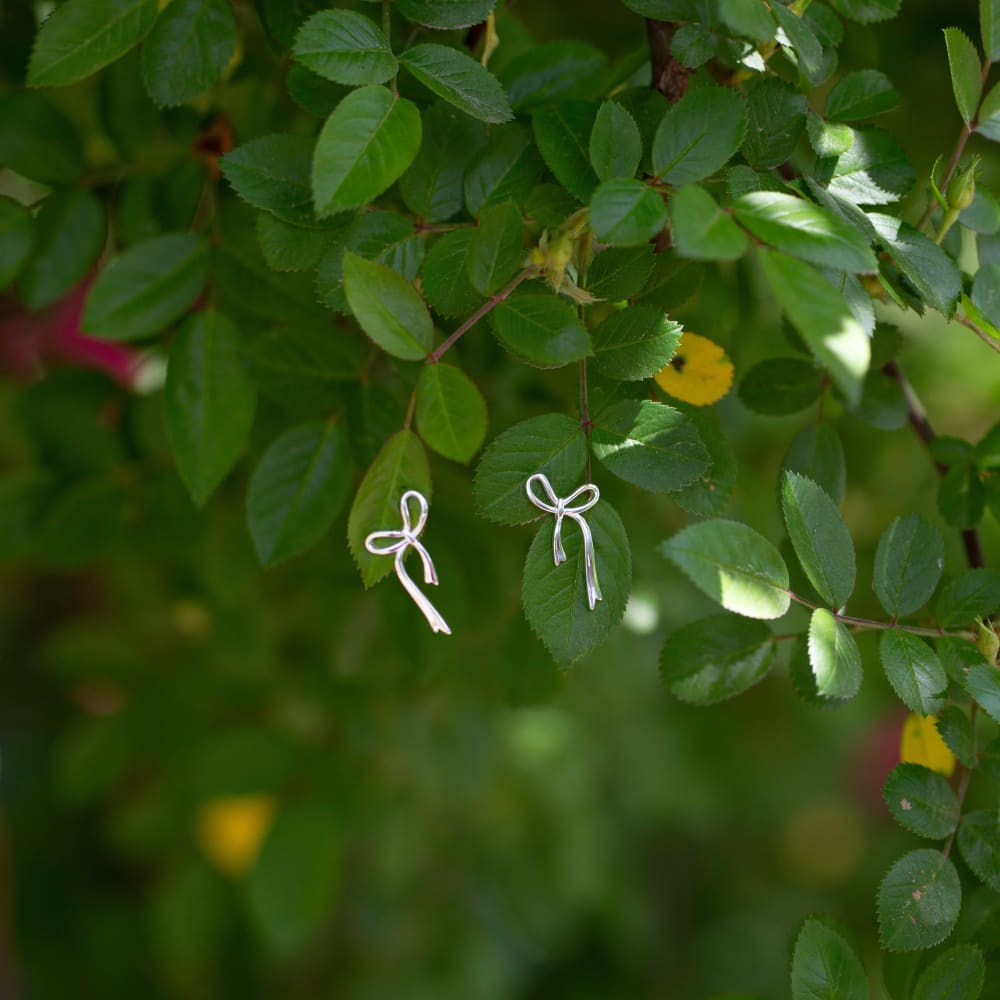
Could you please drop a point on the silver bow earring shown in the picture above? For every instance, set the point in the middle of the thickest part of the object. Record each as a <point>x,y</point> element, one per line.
<point>398,543</point>
<point>562,508</point>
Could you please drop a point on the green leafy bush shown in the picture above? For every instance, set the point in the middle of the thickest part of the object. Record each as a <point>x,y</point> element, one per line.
<point>268,267</point>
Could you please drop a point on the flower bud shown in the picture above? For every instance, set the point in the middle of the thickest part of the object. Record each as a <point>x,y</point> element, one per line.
<point>962,188</point>
<point>987,641</point>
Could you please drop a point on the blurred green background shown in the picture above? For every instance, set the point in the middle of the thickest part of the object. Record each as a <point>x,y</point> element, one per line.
<point>440,818</point>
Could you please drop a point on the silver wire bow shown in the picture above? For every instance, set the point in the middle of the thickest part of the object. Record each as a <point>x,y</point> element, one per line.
<point>562,507</point>
<point>399,542</point>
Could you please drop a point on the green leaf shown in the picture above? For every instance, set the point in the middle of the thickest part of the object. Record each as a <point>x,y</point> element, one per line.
<point>864,93</point>
<point>979,843</point>
<point>776,119</point>
<point>615,145</point>
<point>635,343</point>
<point>17,237</point>
<point>956,730</point>
<point>541,329</point>
<point>272,173</point>
<point>914,671</point>
<point>451,412</point>
<point>802,39</point>
<point>926,265</point>
<point>506,167</point>
<point>717,658</point>
<point>966,72</point>
<point>561,133</point>
<point>554,445</point>
<point>346,47</point>
<point>288,247</point>
<point>823,318</point>
<point>873,171</point>
<point>381,237</point>
<point>460,80</point>
<point>709,494</point>
<point>957,974</point>
<point>432,188</point>
<point>700,230</point>
<point>82,36</point>
<point>648,444</point>
<point>388,308</point>
<point>825,964</point>
<point>401,465</point>
<point>867,11</point>
<point>988,121</point>
<point>445,280</point>
<point>983,684</point>
<point>834,657</point>
<point>303,366</point>
<point>69,237</point>
<point>190,45</point>
<point>299,486</point>
<point>445,13</point>
<point>496,249</point>
<point>750,18</point>
<point>209,402</point>
<point>973,594</point>
<point>818,453</point>
<point>626,212</point>
<point>820,538</point>
<point>699,134</point>
<point>364,146</point>
<point>989,23</point>
<point>619,272</point>
<point>37,140</point>
<point>555,597</point>
<point>908,564</point>
<point>147,288</point>
<point>962,497</point>
<point>292,886</point>
<point>918,901</point>
<point>921,801</point>
<point>778,387</point>
<point>553,71</point>
<point>248,285</point>
<point>804,230</point>
<point>828,138</point>
<point>735,566</point>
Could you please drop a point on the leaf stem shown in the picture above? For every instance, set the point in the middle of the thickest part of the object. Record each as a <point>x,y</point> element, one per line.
<point>410,410</point>
<point>585,411</point>
<point>487,307</point>
<point>980,333</point>
<point>956,155</point>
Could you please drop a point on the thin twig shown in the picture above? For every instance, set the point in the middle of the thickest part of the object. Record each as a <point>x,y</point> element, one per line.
<point>487,307</point>
<point>989,341</point>
<point>922,427</point>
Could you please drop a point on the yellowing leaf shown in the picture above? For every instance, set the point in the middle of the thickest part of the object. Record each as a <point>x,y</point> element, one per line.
<point>230,830</point>
<point>700,373</point>
<point>922,744</point>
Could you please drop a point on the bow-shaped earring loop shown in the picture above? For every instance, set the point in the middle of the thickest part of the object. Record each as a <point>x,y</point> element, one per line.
<point>388,543</point>
<point>562,508</point>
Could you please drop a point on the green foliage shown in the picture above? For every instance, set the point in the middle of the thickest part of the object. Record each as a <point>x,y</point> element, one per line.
<point>716,658</point>
<point>148,287</point>
<point>733,565</point>
<point>820,538</point>
<point>346,47</point>
<point>364,146</point>
<point>921,801</point>
<point>209,402</point>
<point>360,244</point>
<point>918,901</point>
<point>825,963</point>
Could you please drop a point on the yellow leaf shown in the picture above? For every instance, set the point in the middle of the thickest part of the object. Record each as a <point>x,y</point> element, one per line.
<point>699,373</point>
<point>922,744</point>
<point>230,829</point>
